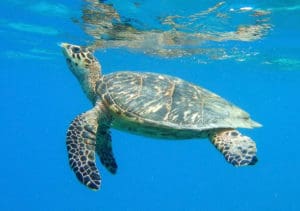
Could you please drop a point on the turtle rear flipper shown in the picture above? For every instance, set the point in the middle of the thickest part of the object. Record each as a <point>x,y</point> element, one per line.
<point>81,143</point>
<point>237,149</point>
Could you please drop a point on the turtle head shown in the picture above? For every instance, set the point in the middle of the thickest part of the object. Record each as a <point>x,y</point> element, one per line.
<point>84,66</point>
<point>80,59</point>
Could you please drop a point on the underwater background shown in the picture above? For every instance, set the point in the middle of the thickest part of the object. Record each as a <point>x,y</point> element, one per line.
<point>245,51</point>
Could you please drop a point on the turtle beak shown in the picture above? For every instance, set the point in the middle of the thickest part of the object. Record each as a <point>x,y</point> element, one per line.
<point>64,45</point>
<point>65,49</point>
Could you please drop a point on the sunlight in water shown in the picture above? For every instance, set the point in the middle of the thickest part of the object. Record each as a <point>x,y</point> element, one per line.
<point>32,28</point>
<point>47,8</point>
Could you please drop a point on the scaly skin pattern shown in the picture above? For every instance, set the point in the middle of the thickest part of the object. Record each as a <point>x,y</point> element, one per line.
<point>237,149</point>
<point>81,143</point>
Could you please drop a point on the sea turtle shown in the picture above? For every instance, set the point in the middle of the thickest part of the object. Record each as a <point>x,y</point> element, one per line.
<point>149,104</point>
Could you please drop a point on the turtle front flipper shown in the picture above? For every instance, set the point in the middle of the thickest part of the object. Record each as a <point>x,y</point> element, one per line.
<point>81,143</point>
<point>104,149</point>
<point>237,149</point>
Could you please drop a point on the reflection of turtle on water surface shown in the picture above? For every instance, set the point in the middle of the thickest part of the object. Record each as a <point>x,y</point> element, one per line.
<point>148,104</point>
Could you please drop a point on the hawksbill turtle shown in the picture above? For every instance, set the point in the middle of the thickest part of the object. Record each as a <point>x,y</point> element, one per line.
<point>148,104</point>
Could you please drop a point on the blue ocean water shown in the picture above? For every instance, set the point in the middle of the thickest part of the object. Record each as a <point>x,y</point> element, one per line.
<point>40,97</point>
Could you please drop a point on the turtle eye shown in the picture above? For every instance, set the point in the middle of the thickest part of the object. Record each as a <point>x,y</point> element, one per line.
<point>75,49</point>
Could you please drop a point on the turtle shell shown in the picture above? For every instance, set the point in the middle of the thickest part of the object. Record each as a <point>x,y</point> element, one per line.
<point>166,101</point>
